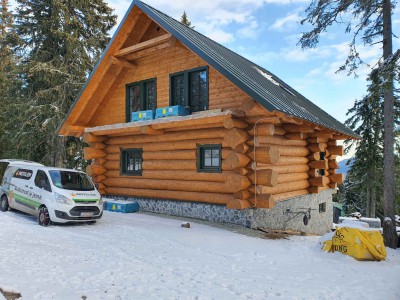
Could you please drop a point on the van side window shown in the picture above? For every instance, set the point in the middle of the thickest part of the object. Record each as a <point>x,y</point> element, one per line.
<point>23,174</point>
<point>42,181</point>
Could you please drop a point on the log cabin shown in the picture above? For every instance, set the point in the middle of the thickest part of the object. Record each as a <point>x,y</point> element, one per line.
<point>188,127</point>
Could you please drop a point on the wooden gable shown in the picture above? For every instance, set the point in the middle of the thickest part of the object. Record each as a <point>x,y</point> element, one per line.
<point>140,50</point>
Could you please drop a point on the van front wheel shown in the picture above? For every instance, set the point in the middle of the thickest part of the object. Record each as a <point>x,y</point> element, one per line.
<point>44,218</point>
<point>4,203</point>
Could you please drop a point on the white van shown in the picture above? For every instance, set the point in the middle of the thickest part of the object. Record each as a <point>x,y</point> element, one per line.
<point>52,194</point>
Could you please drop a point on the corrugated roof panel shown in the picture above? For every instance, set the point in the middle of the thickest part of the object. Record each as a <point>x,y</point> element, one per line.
<point>247,75</point>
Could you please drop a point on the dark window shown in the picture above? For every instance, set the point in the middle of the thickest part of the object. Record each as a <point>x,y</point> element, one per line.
<point>131,161</point>
<point>42,181</point>
<point>23,174</point>
<point>209,158</point>
<point>140,96</point>
<point>322,207</point>
<point>190,88</point>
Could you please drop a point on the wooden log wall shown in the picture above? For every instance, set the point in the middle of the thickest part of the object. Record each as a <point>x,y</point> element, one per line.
<point>263,161</point>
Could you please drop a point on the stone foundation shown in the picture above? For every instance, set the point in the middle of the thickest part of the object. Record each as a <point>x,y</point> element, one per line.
<point>286,215</point>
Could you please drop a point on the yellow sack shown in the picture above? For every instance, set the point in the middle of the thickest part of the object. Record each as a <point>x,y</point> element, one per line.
<point>360,244</point>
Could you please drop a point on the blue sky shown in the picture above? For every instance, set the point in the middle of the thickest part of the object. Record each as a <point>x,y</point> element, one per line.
<point>266,32</point>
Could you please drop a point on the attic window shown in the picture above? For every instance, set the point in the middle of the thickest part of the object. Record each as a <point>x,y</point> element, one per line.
<point>140,96</point>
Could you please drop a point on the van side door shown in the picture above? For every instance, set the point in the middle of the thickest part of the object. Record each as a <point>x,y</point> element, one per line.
<point>21,190</point>
<point>42,187</point>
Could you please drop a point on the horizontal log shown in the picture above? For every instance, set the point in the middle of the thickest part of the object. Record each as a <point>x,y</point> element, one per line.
<point>212,198</point>
<point>242,195</point>
<point>236,183</point>
<point>333,185</point>
<point>275,140</point>
<point>320,147</point>
<point>189,123</point>
<point>331,142</point>
<point>315,189</point>
<point>186,175</point>
<point>95,170</point>
<point>234,137</point>
<point>298,128</point>
<point>296,136</point>
<point>267,177</point>
<point>291,160</point>
<point>281,188</point>
<point>230,123</point>
<point>290,177</point>
<point>320,134</point>
<point>281,169</point>
<point>317,140</point>
<point>238,204</point>
<point>262,201</point>
<point>292,194</point>
<point>100,186</point>
<point>319,181</point>
<point>170,136</point>
<point>336,178</point>
<point>90,138</point>
<point>319,164</point>
<point>170,185</point>
<point>293,151</point>
<point>234,161</point>
<point>333,164</point>
<point>149,130</point>
<point>99,161</point>
<point>262,129</point>
<point>91,153</point>
<point>165,146</point>
<point>336,150</point>
<point>265,155</point>
<point>98,146</point>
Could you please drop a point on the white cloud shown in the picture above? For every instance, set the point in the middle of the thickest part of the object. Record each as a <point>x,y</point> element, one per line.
<point>287,23</point>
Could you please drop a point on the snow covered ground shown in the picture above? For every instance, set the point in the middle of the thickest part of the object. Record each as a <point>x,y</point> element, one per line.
<point>138,256</point>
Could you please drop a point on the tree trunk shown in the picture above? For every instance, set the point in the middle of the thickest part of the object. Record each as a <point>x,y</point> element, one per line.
<point>389,230</point>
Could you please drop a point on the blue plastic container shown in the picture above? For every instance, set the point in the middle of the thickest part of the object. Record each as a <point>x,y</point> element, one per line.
<point>143,115</point>
<point>122,206</point>
<point>172,111</point>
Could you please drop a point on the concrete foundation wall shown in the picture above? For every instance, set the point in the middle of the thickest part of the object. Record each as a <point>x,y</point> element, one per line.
<point>286,215</point>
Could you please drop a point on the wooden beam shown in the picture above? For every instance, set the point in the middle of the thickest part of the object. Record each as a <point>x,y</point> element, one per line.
<point>122,62</point>
<point>143,45</point>
<point>147,51</point>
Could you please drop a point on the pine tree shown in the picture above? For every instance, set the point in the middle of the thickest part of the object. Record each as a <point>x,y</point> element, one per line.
<point>370,22</point>
<point>185,20</point>
<point>9,82</point>
<point>62,40</point>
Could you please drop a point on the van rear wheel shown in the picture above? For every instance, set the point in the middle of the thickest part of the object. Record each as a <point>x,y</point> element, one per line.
<point>44,217</point>
<point>4,203</point>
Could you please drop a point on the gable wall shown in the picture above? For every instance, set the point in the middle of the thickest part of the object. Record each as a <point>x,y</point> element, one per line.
<point>222,93</point>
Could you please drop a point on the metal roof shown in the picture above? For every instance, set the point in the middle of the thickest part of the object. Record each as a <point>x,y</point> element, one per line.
<point>260,84</point>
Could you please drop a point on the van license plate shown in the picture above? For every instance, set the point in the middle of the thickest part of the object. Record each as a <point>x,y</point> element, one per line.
<point>87,214</point>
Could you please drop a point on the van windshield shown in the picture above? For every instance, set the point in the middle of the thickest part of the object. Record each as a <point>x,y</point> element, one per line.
<point>69,180</point>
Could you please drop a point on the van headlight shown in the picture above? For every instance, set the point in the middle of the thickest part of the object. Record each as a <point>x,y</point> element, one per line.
<point>62,199</point>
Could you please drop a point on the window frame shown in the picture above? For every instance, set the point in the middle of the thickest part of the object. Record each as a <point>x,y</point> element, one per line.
<point>134,151</point>
<point>186,79</point>
<point>143,103</point>
<point>200,158</point>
